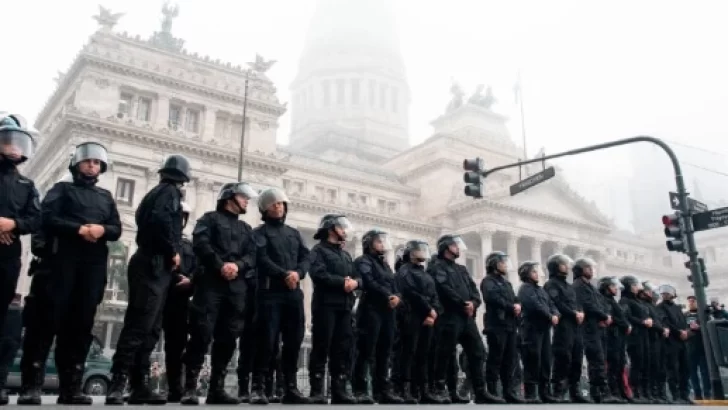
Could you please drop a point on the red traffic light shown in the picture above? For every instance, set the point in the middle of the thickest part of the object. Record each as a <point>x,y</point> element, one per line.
<point>670,219</point>
<point>474,164</point>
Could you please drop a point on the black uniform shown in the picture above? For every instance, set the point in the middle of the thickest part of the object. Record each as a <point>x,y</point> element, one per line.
<point>500,322</point>
<point>655,376</point>
<point>455,287</point>
<point>216,314</point>
<point>247,341</point>
<point>614,342</point>
<point>419,296</point>
<point>376,326</point>
<point>159,237</point>
<point>9,345</point>
<point>637,312</point>
<point>595,317</point>
<point>676,352</point>
<point>19,201</point>
<point>77,280</point>
<point>280,312</point>
<point>332,333</point>
<point>175,321</point>
<point>567,342</point>
<point>538,310</point>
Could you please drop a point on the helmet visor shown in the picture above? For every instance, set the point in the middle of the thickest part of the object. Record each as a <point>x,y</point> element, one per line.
<point>460,244</point>
<point>90,151</point>
<point>16,144</point>
<point>245,190</point>
<point>420,251</point>
<point>270,197</point>
<point>382,238</point>
<point>343,223</point>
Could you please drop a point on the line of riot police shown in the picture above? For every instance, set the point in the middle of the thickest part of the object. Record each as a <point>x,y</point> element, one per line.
<point>244,283</point>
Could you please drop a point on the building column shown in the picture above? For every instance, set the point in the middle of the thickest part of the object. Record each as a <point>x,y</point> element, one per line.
<point>486,247</point>
<point>512,251</point>
<point>202,190</point>
<point>536,257</point>
<point>109,334</point>
<point>358,248</point>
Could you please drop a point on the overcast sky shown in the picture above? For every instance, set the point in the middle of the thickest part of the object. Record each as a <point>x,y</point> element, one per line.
<point>592,71</point>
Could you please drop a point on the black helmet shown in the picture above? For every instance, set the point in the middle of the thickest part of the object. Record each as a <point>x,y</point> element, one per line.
<point>556,260</point>
<point>231,189</point>
<point>647,286</point>
<point>370,236</point>
<point>15,133</point>
<point>328,222</point>
<point>176,167</point>
<point>89,150</point>
<point>628,281</point>
<point>669,289</point>
<point>446,240</point>
<point>607,281</point>
<point>524,271</point>
<point>491,261</point>
<point>417,249</point>
<point>582,263</point>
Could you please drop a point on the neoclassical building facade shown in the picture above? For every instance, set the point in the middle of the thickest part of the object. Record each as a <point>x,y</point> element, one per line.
<point>349,153</point>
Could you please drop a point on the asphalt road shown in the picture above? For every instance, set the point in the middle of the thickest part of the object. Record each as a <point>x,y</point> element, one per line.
<point>50,401</point>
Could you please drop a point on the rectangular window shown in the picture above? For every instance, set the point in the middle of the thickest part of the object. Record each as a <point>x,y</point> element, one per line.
<point>352,199</point>
<point>395,99</point>
<point>372,92</point>
<point>382,205</point>
<point>319,193</point>
<point>363,199</point>
<point>331,196</point>
<point>175,117</point>
<point>124,108</point>
<point>221,123</point>
<point>355,91</point>
<point>144,109</point>
<point>124,191</point>
<point>298,187</point>
<point>383,96</point>
<point>192,122</point>
<point>392,207</point>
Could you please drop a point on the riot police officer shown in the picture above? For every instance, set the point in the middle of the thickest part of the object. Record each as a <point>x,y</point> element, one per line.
<point>420,311</point>
<point>655,377</point>
<point>375,319</point>
<point>334,280</point>
<point>456,325</point>
<point>596,318</point>
<point>176,311</point>
<point>159,236</point>
<point>19,206</point>
<point>79,218</point>
<point>499,321</point>
<point>567,342</point>
<point>283,261</point>
<point>614,336</point>
<point>676,352</point>
<point>539,315</point>
<point>226,249</point>
<point>638,315</point>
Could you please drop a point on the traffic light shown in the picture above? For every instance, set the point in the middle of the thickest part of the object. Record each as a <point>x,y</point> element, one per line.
<point>675,229</point>
<point>473,177</point>
<point>703,272</point>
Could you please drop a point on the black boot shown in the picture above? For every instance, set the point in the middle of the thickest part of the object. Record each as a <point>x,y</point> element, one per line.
<point>270,391</point>
<point>560,390</point>
<point>217,394</point>
<point>544,391</point>
<point>510,396</point>
<point>637,396</point>
<point>76,397</point>
<point>484,395</point>
<point>4,399</point>
<point>386,395</point>
<point>455,397</point>
<point>316,395</point>
<point>491,388</point>
<point>360,386</point>
<point>428,395</point>
<point>530,393</point>
<point>115,395</point>
<point>339,392</point>
<point>32,384</point>
<point>174,383</point>
<point>659,393</point>
<point>576,396</point>
<point>244,389</point>
<point>441,391</point>
<point>407,396</point>
<point>189,396</point>
<point>257,393</point>
<point>291,394</point>
<point>601,395</point>
<point>142,393</point>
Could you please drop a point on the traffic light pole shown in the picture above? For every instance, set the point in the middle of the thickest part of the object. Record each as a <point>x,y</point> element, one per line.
<point>692,250</point>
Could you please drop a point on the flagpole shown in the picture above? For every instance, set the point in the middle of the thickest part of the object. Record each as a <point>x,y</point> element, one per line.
<point>523,117</point>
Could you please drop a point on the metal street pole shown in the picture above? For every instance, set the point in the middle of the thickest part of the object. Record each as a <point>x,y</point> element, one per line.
<point>692,250</point>
<point>242,133</point>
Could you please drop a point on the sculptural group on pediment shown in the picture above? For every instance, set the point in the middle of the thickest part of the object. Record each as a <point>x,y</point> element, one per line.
<point>477,98</point>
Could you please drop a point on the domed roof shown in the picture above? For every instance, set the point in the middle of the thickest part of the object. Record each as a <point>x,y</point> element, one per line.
<point>346,25</point>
